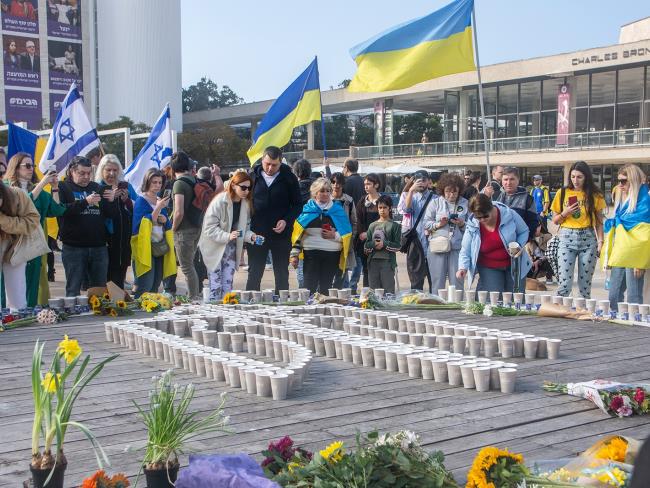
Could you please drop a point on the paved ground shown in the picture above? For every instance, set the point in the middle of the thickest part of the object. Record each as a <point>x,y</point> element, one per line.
<point>339,399</point>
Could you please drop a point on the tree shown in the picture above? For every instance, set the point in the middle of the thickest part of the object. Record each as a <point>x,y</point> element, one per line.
<point>217,143</point>
<point>408,129</point>
<point>337,133</point>
<point>345,83</point>
<point>114,144</point>
<point>205,95</point>
<point>364,132</point>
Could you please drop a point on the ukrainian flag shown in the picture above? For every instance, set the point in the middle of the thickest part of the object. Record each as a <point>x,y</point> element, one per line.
<point>298,105</point>
<point>141,241</point>
<point>336,212</point>
<point>432,46</point>
<point>628,235</point>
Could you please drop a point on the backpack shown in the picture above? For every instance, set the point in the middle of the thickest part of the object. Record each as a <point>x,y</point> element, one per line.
<point>203,194</point>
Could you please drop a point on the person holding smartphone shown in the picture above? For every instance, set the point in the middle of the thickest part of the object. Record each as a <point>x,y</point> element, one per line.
<point>323,234</point>
<point>381,248</point>
<point>118,230</point>
<point>578,211</point>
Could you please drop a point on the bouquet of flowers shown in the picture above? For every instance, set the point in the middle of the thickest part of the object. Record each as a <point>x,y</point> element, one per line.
<point>49,316</point>
<point>231,298</point>
<point>283,455</point>
<point>11,321</point>
<point>477,308</point>
<point>154,302</point>
<point>101,480</point>
<point>615,399</point>
<point>103,305</point>
<point>368,300</point>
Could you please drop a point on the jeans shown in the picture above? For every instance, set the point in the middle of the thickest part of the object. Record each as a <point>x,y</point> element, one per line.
<point>580,245</point>
<point>280,248</point>
<point>495,279</point>
<point>79,262</point>
<point>185,242</point>
<point>619,280</point>
<point>300,275</point>
<point>320,267</point>
<point>150,281</point>
<point>443,265</point>
<point>381,275</point>
<point>356,274</point>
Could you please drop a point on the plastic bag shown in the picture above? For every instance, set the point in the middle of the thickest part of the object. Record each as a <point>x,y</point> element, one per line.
<point>223,471</point>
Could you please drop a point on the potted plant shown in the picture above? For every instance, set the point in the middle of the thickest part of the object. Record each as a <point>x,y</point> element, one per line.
<point>170,426</point>
<point>54,394</point>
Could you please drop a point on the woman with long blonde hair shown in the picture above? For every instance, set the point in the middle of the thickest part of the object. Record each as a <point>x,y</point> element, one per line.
<point>627,252</point>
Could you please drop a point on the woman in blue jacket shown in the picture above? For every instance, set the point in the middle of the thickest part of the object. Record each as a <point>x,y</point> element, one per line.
<point>484,250</point>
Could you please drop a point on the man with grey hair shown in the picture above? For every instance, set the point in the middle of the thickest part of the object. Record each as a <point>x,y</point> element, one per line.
<point>30,61</point>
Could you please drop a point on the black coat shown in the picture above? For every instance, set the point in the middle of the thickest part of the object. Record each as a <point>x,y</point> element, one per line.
<point>280,201</point>
<point>354,187</point>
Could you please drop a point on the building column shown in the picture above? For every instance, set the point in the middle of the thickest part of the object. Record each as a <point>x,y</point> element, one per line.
<point>567,175</point>
<point>254,123</point>
<point>310,136</point>
<point>463,115</point>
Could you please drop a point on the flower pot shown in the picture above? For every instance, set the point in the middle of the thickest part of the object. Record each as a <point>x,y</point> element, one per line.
<point>160,478</point>
<point>279,386</point>
<point>475,343</point>
<point>459,344</point>
<point>507,378</point>
<point>367,356</point>
<point>379,357</point>
<point>453,373</point>
<point>391,360</point>
<point>40,475</point>
<point>319,345</point>
<point>494,298</point>
<point>482,378</point>
<point>490,346</point>
<point>553,348</point>
<point>414,365</point>
<point>530,348</point>
<point>439,370</point>
<point>426,368</point>
<point>467,375</point>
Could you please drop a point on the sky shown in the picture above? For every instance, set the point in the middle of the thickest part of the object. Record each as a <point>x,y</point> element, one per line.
<point>259,47</point>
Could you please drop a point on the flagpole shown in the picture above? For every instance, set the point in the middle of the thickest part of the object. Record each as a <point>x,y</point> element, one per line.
<point>322,121</point>
<point>480,95</point>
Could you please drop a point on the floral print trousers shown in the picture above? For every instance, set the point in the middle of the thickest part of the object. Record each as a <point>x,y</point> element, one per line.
<point>221,278</point>
<point>576,245</point>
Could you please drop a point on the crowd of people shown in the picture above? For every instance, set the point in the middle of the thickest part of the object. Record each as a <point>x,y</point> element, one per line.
<point>336,229</point>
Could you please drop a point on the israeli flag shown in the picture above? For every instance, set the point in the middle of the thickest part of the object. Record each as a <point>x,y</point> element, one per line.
<point>156,153</point>
<point>72,134</point>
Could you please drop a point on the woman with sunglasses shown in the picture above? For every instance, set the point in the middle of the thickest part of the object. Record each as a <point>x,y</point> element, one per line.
<point>20,174</point>
<point>578,211</point>
<point>484,250</point>
<point>627,239</point>
<point>226,226</point>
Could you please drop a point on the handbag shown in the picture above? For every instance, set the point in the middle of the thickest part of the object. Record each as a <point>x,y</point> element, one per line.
<point>440,244</point>
<point>159,246</point>
<point>407,237</point>
<point>29,246</point>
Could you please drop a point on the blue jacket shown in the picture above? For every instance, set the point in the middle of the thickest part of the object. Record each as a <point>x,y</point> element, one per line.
<point>511,228</point>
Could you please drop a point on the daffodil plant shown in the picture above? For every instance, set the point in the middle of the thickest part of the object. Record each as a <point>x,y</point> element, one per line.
<point>54,394</point>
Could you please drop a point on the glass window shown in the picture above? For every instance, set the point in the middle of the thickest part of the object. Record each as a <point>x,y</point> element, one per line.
<point>550,91</point>
<point>628,116</point>
<point>549,122</point>
<point>601,118</point>
<point>579,116</point>
<point>630,85</point>
<point>528,124</point>
<point>508,99</point>
<point>529,96</point>
<point>646,112</point>
<point>451,104</point>
<point>490,100</point>
<point>507,126</point>
<point>580,91</point>
<point>603,88</point>
<point>473,108</point>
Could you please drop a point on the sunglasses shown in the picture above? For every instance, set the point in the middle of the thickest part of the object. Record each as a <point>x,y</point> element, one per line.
<point>482,217</point>
<point>27,166</point>
<point>622,181</point>
<point>244,187</point>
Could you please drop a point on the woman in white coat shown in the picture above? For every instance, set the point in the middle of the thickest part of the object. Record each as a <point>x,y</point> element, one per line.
<point>226,226</point>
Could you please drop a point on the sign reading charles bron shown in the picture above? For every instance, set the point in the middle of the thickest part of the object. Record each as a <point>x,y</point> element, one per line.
<point>24,106</point>
<point>64,18</point>
<point>22,61</point>
<point>563,103</point>
<point>20,16</point>
<point>65,65</point>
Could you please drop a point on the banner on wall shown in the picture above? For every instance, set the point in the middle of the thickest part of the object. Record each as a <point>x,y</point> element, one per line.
<point>379,122</point>
<point>64,18</point>
<point>20,16</point>
<point>65,65</point>
<point>563,112</point>
<point>22,61</point>
<point>24,106</point>
<point>56,99</point>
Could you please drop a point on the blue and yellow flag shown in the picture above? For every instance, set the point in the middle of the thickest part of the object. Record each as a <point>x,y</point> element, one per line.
<point>298,105</point>
<point>141,241</point>
<point>432,46</point>
<point>336,212</point>
<point>628,235</point>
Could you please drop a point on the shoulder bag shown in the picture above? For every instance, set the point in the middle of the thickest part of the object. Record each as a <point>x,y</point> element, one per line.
<point>29,246</point>
<point>411,234</point>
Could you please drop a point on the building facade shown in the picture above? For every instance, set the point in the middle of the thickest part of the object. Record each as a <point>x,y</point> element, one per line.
<point>541,114</point>
<point>109,48</point>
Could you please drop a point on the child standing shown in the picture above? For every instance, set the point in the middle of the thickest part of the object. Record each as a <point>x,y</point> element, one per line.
<point>382,243</point>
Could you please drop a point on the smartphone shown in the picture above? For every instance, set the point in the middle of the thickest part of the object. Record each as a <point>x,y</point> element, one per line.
<point>122,185</point>
<point>326,227</point>
<point>453,216</point>
<point>167,193</point>
<point>573,200</point>
<point>103,188</point>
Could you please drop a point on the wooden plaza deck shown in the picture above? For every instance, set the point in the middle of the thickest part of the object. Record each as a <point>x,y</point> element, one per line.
<point>338,399</point>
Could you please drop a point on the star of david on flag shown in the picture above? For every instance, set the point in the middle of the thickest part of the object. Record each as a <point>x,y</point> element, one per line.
<point>156,152</point>
<point>72,134</point>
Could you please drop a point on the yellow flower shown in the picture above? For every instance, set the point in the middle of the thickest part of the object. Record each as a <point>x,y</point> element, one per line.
<point>484,460</point>
<point>94,301</point>
<point>292,465</point>
<point>69,349</point>
<point>333,453</point>
<point>113,312</point>
<point>49,383</point>
<point>611,477</point>
<point>121,304</point>
<point>614,450</point>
